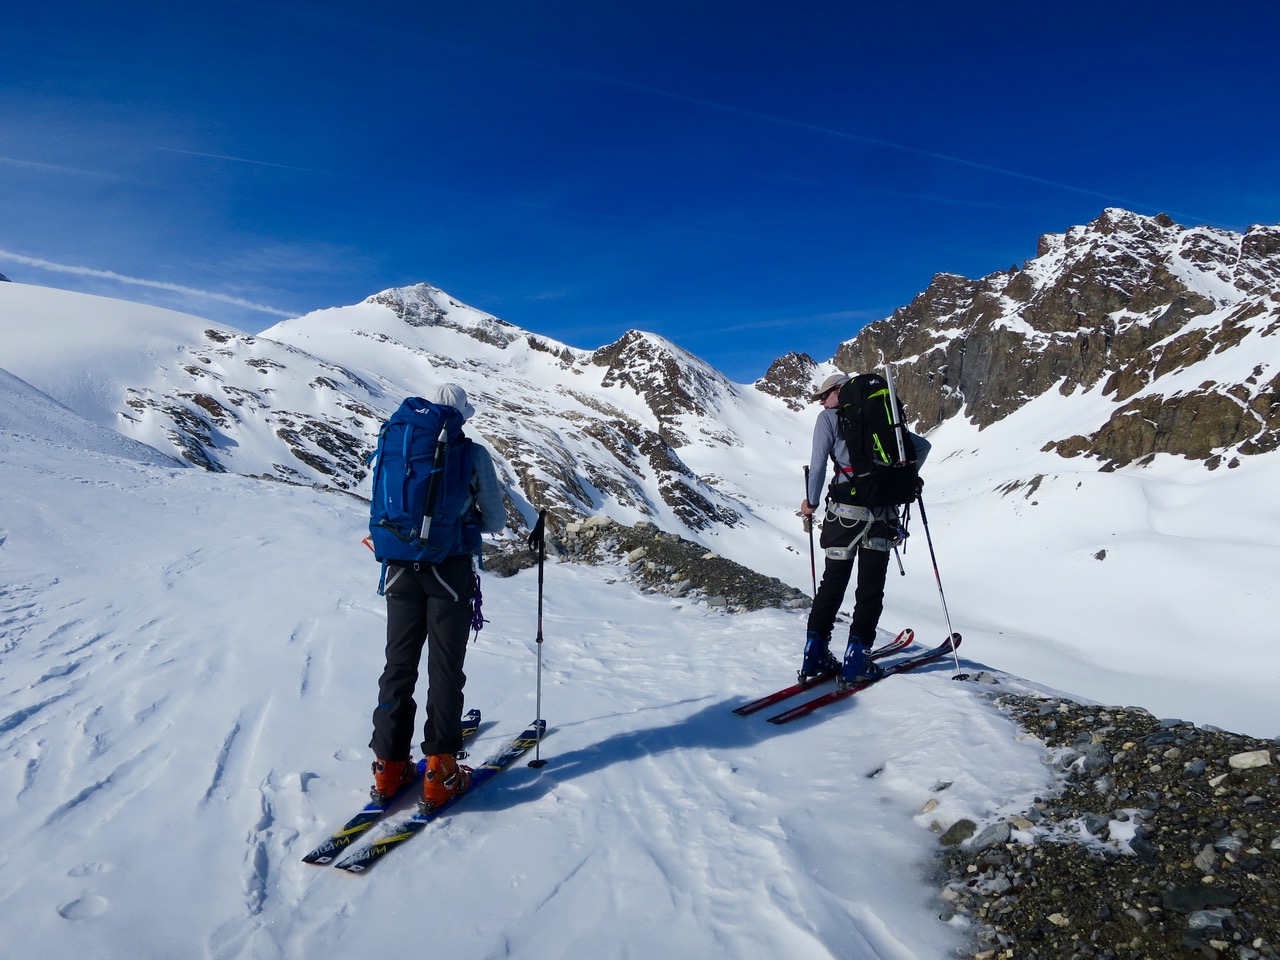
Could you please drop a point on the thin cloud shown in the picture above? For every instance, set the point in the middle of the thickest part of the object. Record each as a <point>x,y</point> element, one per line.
<point>807,322</point>
<point>284,166</point>
<point>138,281</point>
<point>56,168</point>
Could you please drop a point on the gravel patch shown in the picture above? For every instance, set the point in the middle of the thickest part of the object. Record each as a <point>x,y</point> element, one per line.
<point>1163,843</point>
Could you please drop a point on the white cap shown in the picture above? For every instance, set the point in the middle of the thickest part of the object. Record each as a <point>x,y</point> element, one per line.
<point>452,395</point>
<point>833,382</point>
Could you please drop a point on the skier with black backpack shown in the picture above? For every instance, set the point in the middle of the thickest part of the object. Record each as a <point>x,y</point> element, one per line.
<point>434,493</point>
<point>875,463</point>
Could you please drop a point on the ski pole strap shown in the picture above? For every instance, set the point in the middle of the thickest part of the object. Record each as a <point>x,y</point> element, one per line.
<point>537,536</point>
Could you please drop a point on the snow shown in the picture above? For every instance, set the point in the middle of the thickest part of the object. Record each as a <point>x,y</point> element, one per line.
<point>83,350</point>
<point>188,663</point>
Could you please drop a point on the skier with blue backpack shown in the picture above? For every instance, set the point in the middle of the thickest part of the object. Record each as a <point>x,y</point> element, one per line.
<point>434,492</point>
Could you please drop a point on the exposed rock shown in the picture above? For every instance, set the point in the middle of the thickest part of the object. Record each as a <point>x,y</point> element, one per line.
<point>658,562</point>
<point>1168,851</point>
<point>674,383</point>
<point>423,305</point>
<point>791,379</point>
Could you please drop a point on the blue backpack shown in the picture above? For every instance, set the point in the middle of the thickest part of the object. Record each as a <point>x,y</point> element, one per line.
<point>422,509</point>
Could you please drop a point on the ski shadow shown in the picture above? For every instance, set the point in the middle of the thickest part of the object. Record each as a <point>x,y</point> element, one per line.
<point>715,727</point>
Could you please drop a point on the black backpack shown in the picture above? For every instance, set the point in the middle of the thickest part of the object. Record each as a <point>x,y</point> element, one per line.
<point>871,429</point>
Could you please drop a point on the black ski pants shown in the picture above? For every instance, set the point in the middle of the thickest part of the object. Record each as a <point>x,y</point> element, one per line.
<point>868,596</point>
<point>427,605</point>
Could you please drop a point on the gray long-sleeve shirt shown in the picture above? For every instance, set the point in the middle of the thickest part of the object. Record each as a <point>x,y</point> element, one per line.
<point>828,443</point>
<point>488,495</point>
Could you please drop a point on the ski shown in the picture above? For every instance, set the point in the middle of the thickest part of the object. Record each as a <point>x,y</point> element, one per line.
<point>904,639</point>
<point>901,666</point>
<point>404,830</point>
<point>372,812</point>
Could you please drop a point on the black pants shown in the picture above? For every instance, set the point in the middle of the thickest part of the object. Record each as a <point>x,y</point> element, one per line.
<point>868,596</point>
<point>431,607</point>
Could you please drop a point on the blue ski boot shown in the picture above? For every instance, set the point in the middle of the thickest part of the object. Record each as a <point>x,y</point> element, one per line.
<point>858,665</point>
<point>818,660</point>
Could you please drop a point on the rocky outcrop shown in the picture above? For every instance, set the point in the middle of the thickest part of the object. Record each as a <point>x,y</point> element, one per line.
<point>657,562</point>
<point>423,305</point>
<point>790,379</point>
<point>680,390</point>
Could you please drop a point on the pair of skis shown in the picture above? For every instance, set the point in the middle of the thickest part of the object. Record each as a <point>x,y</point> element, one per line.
<point>903,640</point>
<point>332,850</point>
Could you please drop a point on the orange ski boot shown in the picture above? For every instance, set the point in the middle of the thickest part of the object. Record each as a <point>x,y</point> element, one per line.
<point>389,777</point>
<point>444,778</point>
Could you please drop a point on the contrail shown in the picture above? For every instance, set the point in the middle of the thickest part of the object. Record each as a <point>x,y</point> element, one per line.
<point>138,281</point>
<point>57,168</point>
<point>852,137</point>
<point>285,166</point>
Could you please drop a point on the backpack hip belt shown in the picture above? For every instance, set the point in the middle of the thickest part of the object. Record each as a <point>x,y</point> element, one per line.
<point>849,511</point>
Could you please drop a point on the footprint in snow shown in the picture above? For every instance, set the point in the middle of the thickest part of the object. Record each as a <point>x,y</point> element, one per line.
<point>89,869</point>
<point>83,908</point>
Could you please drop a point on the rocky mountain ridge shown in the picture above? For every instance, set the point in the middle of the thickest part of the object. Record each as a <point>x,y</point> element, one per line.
<point>1175,326</point>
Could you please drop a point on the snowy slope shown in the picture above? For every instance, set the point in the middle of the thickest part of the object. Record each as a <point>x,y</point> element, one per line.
<point>1153,587</point>
<point>86,351</point>
<point>189,666</point>
<point>24,410</point>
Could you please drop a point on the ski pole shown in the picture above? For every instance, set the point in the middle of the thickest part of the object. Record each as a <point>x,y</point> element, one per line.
<point>433,484</point>
<point>895,411</point>
<point>924,519</point>
<point>808,525</point>
<point>906,522</point>
<point>896,424</point>
<point>538,542</point>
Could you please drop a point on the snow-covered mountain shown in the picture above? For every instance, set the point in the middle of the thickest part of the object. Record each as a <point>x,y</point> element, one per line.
<point>636,429</point>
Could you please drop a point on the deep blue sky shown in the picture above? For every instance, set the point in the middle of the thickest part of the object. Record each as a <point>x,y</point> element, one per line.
<point>746,178</point>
